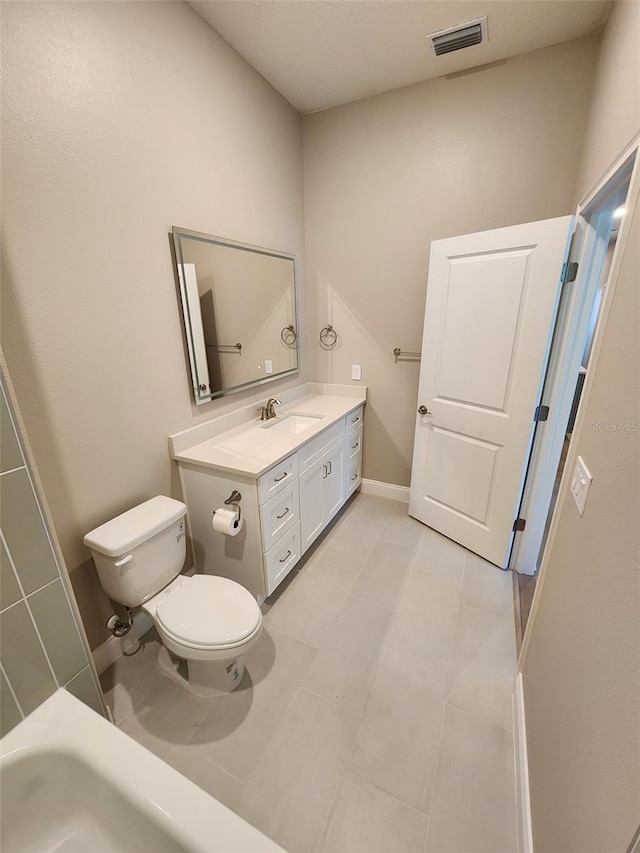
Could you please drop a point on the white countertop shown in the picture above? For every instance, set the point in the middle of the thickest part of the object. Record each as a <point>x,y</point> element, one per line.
<point>253,447</point>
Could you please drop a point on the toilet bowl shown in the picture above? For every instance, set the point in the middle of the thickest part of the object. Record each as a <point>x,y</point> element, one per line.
<point>207,624</point>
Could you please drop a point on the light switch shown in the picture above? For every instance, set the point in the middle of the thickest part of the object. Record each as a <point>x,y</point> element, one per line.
<point>356,371</point>
<point>268,365</point>
<point>580,484</point>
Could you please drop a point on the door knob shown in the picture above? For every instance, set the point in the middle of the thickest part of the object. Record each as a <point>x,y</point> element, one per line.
<point>422,410</point>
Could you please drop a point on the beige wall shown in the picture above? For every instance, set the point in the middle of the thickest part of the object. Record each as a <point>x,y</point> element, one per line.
<point>582,669</point>
<point>387,175</point>
<point>120,120</point>
<point>614,115</point>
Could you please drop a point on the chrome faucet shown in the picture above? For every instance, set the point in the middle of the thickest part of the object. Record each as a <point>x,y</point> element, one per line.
<point>268,410</point>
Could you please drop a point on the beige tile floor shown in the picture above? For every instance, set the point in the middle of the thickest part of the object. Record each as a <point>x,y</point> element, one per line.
<point>375,712</point>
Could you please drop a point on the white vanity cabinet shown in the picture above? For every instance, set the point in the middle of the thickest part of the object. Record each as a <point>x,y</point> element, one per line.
<point>321,492</point>
<point>353,452</point>
<point>284,508</point>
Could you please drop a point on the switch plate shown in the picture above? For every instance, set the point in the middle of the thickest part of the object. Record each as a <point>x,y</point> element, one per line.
<point>580,483</point>
<point>356,371</point>
<point>268,365</point>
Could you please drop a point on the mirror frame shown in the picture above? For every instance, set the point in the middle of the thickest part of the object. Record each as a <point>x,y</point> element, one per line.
<point>176,235</point>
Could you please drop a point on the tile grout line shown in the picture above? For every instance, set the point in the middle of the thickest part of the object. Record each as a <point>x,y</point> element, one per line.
<point>280,724</point>
<point>12,691</point>
<point>444,707</point>
<point>14,569</point>
<point>398,799</point>
<point>13,470</point>
<point>347,764</point>
<point>25,600</point>
<point>479,717</point>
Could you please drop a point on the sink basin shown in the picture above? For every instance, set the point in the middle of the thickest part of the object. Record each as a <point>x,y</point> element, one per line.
<point>293,423</point>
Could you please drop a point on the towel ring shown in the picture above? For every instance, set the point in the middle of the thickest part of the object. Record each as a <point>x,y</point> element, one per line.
<point>328,337</point>
<point>289,336</point>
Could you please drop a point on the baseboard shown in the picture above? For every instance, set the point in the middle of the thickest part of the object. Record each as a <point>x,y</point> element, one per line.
<point>385,490</point>
<point>523,803</point>
<point>108,652</point>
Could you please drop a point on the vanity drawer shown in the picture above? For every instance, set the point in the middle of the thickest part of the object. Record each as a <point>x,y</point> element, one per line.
<point>313,450</point>
<point>279,515</point>
<point>277,478</point>
<point>355,419</point>
<point>353,445</point>
<point>352,476</point>
<point>282,558</point>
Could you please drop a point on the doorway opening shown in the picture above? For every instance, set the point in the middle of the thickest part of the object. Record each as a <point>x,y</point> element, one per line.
<point>579,314</point>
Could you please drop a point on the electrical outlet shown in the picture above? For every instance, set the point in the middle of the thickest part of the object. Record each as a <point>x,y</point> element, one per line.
<point>356,371</point>
<point>268,365</point>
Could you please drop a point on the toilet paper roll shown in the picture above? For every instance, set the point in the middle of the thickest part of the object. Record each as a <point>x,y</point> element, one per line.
<point>226,521</point>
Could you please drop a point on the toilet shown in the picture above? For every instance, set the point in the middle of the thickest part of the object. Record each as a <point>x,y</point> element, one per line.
<point>207,624</point>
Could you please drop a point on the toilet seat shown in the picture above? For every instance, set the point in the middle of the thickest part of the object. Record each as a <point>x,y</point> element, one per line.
<point>209,613</point>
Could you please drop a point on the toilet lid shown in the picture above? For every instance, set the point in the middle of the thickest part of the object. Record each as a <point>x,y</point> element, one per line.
<point>208,611</point>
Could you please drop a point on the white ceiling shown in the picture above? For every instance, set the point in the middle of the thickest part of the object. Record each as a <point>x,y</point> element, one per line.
<point>321,53</point>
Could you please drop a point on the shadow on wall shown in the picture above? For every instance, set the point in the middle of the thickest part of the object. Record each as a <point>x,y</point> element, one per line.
<point>392,387</point>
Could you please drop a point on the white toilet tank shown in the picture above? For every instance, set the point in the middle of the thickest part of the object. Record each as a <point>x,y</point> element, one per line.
<point>139,552</point>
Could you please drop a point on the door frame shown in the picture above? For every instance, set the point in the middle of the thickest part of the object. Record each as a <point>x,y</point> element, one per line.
<point>589,249</point>
<point>630,149</point>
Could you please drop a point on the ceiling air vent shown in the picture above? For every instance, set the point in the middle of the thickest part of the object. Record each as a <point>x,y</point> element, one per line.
<point>457,38</point>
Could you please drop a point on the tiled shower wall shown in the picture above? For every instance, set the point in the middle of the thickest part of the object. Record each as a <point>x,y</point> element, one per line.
<point>41,647</point>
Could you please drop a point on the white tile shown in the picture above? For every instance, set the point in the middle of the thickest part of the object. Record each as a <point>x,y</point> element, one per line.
<point>289,796</point>
<point>372,507</point>
<point>312,609</point>
<point>237,730</point>
<point>473,806</point>
<point>367,819</point>
<point>485,586</point>
<point>426,618</point>
<point>345,667</point>
<point>483,666</point>
<point>351,545</point>
<point>167,715</point>
<point>440,555</point>
<point>385,573</point>
<point>398,740</point>
<point>131,677</point>
<point>189,761</point>
<point>401,528</point>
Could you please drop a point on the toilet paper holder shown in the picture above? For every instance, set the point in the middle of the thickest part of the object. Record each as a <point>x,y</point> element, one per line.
<point>233,500</point>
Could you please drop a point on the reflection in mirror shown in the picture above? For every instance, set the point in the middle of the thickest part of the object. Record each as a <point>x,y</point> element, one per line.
<point>239,310</point>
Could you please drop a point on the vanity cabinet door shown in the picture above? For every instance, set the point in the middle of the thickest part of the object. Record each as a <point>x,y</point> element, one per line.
<point>311,515</point>
<point>333,482</point>
<point>322,491</point>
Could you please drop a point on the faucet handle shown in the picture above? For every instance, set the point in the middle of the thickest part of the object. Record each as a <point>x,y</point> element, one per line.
<point>263,412</point>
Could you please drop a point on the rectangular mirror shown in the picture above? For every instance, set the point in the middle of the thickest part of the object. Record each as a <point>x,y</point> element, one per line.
<point>239,310</point>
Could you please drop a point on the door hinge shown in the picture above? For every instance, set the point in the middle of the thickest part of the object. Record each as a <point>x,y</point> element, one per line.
<point>519,524</point>
<point>569,272</point>
<point>541,414</point>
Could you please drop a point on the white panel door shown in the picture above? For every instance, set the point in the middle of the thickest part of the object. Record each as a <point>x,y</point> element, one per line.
<point>491,304</point>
